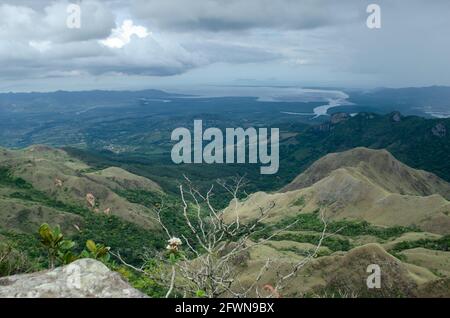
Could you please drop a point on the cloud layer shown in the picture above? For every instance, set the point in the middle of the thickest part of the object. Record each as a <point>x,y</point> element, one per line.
<point>218,15</point>
<point>213,41</point>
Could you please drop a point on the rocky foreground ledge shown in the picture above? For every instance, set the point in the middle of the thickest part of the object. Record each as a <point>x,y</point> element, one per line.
<point>85,278</point>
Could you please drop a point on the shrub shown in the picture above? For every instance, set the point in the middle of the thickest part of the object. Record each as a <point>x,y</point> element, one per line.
<point>58,249</point>
<point>12,261</point>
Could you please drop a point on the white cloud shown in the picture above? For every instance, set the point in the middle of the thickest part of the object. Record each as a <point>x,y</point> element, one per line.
<point>36,43</point>
<point>122,35</point>
<point>41,46</point>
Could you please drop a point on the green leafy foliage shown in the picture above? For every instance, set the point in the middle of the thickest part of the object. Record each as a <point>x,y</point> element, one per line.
<point>351,228</point>
<point>8,179</point>
<point>30,246</point>
<point>131,240</point>
<point>345,228</point>
<point>59,250</point>
<point>128,238</point>
<point>200,293</point>
<point>442,244</point>
<point>171,213</point>
<point>142,282</point>
<point>96,251</point>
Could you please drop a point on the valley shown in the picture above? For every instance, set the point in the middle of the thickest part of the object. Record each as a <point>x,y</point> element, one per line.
<point>101,170</point>
<point>182,153</point>
<point>398,218</point>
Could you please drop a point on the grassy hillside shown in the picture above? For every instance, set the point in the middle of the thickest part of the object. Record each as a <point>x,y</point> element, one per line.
<point>362,184</point>
<point>418,142</point>
<point>67,180</point>
<point>41,184</point>
<point>378,210</point>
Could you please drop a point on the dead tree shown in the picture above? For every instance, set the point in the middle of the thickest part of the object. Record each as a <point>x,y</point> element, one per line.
<point>207,265</point>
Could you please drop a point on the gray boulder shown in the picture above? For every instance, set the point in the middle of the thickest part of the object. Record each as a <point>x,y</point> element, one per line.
<point>85,278</point>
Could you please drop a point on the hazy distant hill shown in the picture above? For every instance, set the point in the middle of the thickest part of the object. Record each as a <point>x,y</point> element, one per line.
<point>65,101</point>
<point>431,101</point>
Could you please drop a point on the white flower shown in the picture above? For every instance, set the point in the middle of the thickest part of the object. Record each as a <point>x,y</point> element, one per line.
<point>174,244</point>
<point>175,241</point>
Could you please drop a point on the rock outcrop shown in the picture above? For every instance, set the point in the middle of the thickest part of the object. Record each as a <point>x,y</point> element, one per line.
<point>336,118</point>
<point>85,278</point>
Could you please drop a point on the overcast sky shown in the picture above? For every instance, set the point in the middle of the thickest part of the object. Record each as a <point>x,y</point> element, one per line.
<point>176,43</point>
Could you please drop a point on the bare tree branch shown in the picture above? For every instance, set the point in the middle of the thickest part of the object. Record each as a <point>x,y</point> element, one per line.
<point>219,246</point>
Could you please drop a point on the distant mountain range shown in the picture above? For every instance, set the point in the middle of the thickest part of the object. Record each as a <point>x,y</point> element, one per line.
<point>433,101</point>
